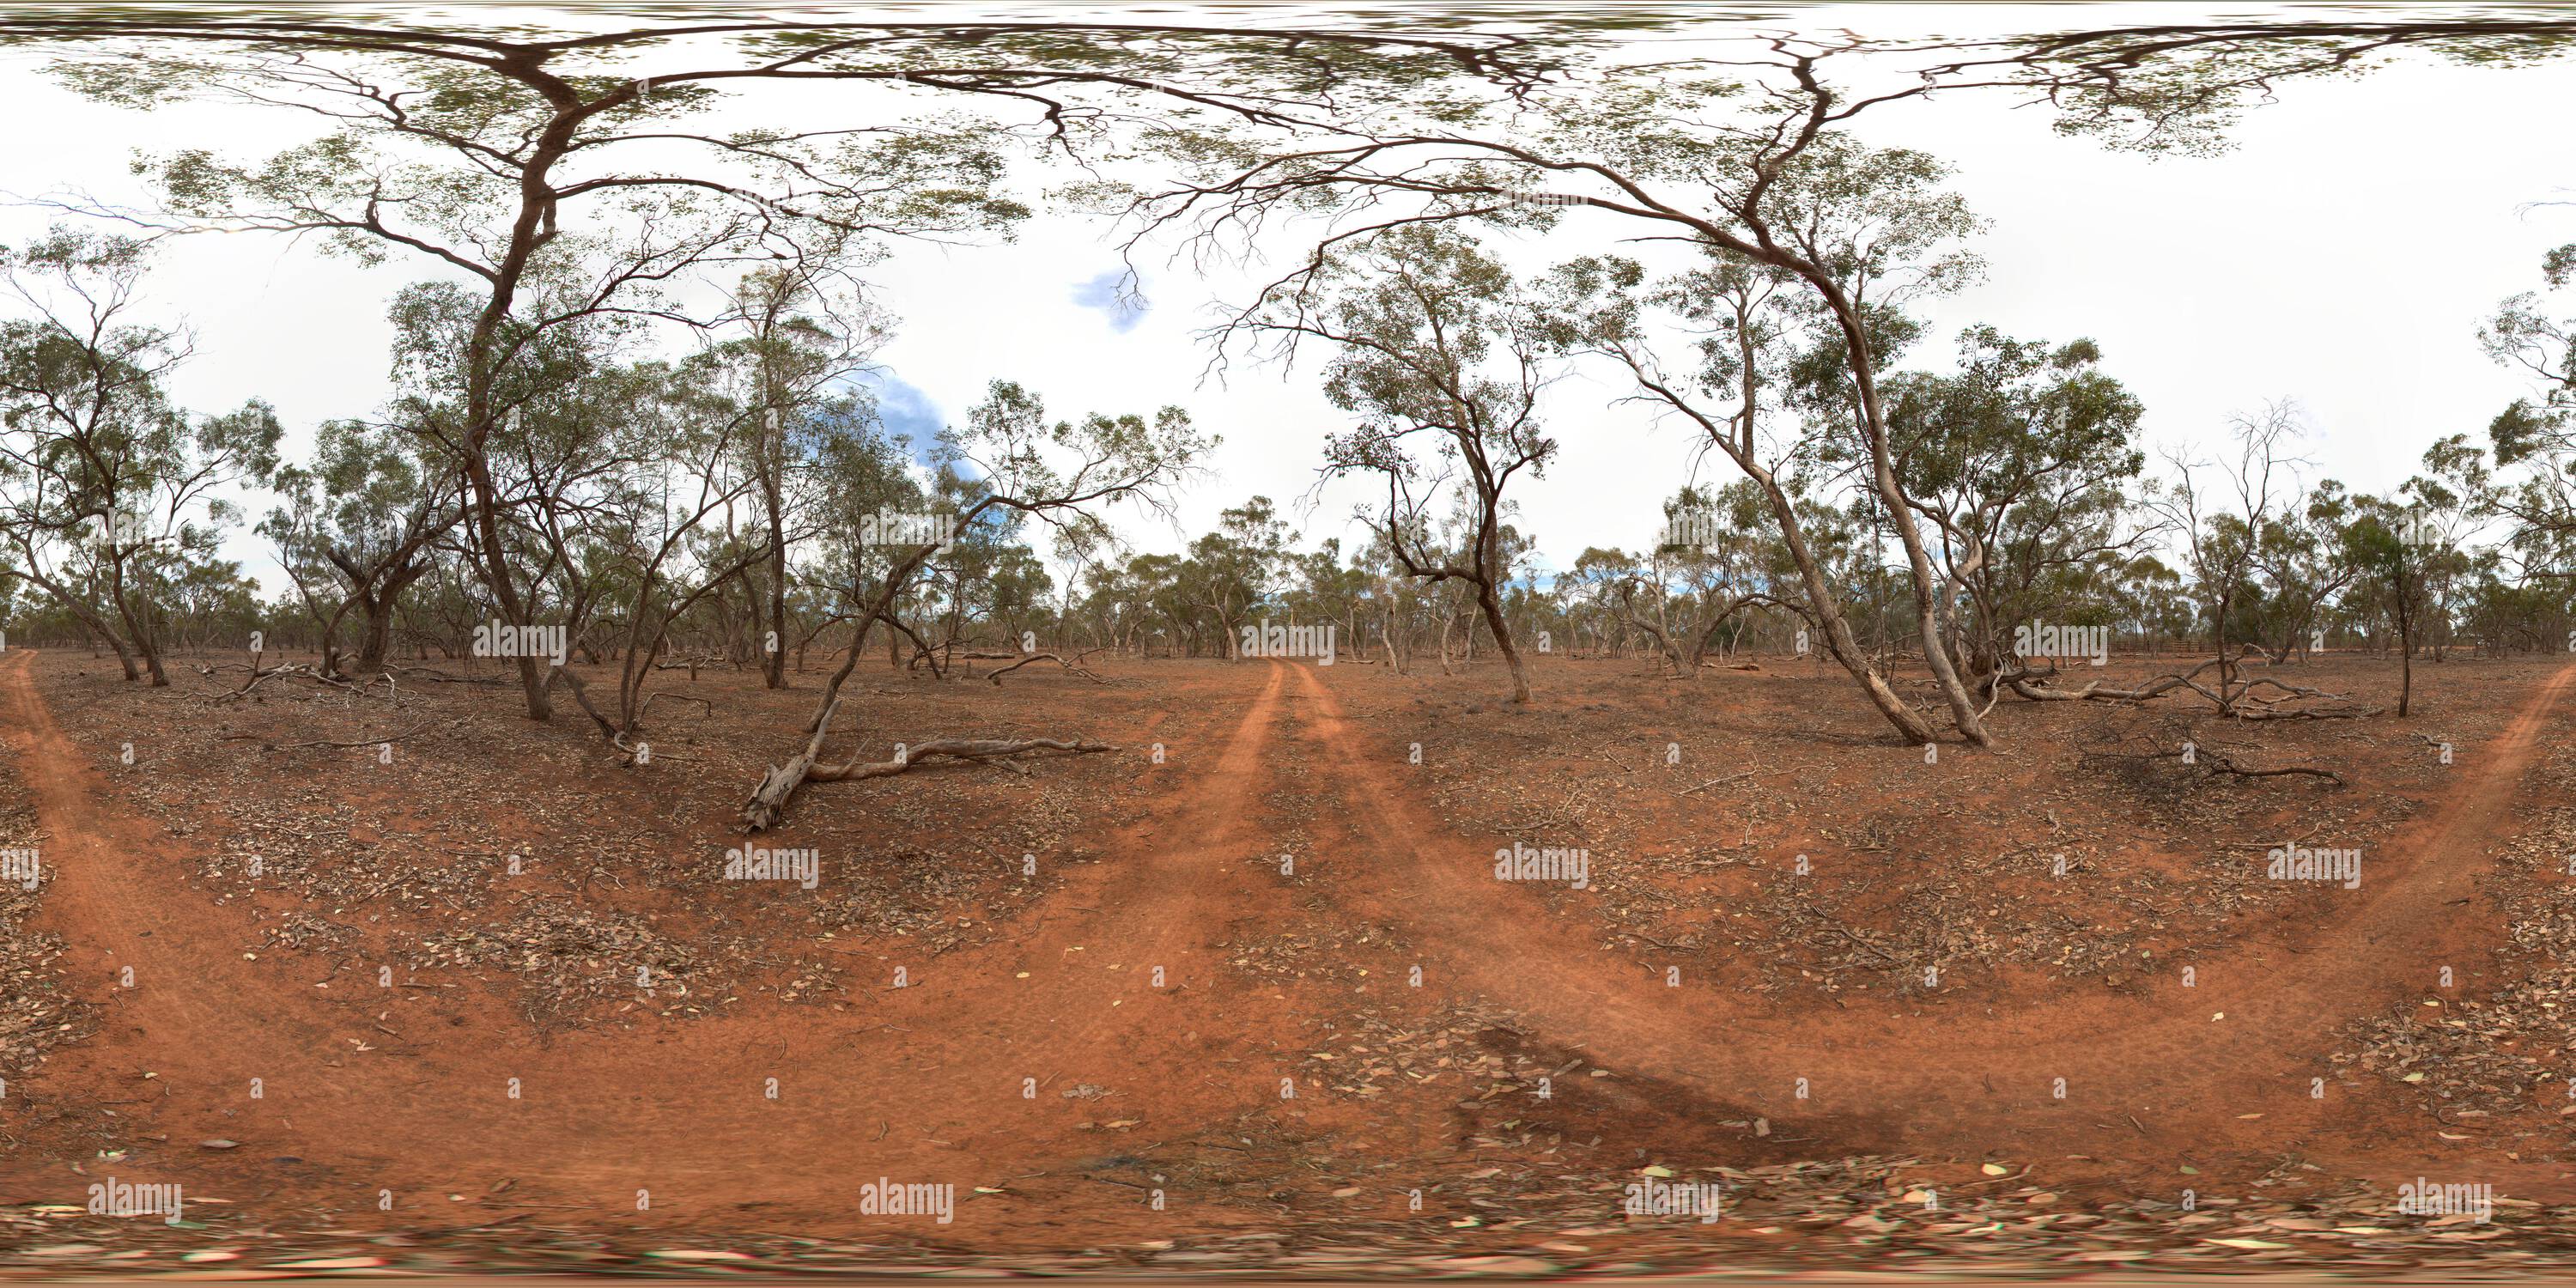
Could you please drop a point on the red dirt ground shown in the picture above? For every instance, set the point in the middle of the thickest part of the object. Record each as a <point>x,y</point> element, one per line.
<point>390,1108</point>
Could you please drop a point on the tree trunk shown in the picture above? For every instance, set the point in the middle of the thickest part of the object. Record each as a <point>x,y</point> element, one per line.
<point>773,664</point>
<point>2405,649</point>
<point>495,563</point>
<point>1836,629</point>
<point>1493,606</point>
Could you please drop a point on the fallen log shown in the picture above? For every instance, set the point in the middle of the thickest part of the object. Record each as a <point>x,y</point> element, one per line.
<point>996,676</point>
<point>768,802</point>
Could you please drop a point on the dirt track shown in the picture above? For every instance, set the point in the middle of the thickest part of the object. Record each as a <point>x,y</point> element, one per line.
<point>406,1090</point>
<point>1948,1077</point>
<point>684,1115</point>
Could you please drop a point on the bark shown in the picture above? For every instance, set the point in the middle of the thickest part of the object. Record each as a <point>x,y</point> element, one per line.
<point>1493,608</point>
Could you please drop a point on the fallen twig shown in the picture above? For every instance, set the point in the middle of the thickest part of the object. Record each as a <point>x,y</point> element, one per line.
<point>2218,763</point>
<point>1714,782</point>
<point>363,742</point>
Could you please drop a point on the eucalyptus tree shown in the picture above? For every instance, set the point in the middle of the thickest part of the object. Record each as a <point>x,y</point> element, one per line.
<point>2021,460</point>
<point>1323,587</point>
<point>2383,539</point>
<point>1590,589</point>
<point>2296,558</point>
<point>1441,358</point>
<point>641,530</point>
<point>2450,501</point>
<point>1716,346</point>
<point>1748,155</point>
<point>360,519</point>
<point>2217,522</point>
<point>1236,569</point>
<point>859,473</point>
<point>791,339</point>
<point>1703,572</point>
<point>1162,594</point>
<point>109,491</point>
<point>2535,437</point>
<point>1782,196</point>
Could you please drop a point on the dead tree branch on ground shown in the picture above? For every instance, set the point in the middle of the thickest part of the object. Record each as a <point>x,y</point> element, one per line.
<point>1084,672</point>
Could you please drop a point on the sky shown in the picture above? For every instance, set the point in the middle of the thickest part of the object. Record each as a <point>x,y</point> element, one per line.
<point>2342,254</point>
